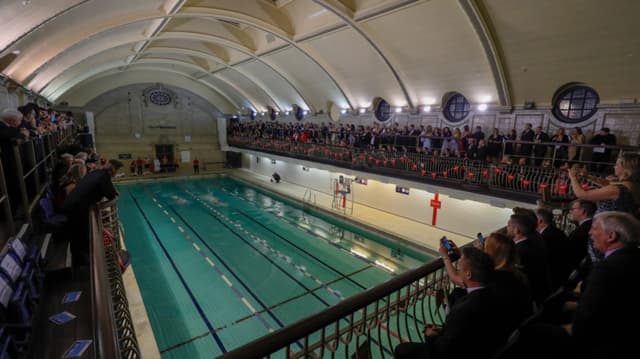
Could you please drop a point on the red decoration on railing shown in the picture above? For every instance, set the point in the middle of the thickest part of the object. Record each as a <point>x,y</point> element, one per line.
<point>414,167</point>
<point>485,173</point>
<point>456,169</point>
<point>423,172</point>
<point>510,178</point>
<point>543,186</point>
<point>562,188</point>
<point>384,163</point>
<point>445,174</point>
<point>498,170</point>
<point>470,174</point>
<point>525,183</point>
<point>393,162</point>
<point>434,175</point>
<point>377,162</point>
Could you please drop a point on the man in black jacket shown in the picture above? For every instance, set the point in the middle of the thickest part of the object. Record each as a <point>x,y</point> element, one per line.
<point>608,308</point>
<point>474,326</point>
<point>90,190</point>
<point>582,212</point>
<point>557,245</point>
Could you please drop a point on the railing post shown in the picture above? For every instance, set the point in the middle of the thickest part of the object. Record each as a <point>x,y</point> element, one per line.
<point>20,175</point>
<point>5,202</point>
<point>33,164</point>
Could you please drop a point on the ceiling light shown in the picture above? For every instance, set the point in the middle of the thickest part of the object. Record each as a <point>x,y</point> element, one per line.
<point>305,112</point>
<point>426,108</point>
<point>398,109</point>
<point>343,111</point>
<point>362,110</point>
<point>482,107</point>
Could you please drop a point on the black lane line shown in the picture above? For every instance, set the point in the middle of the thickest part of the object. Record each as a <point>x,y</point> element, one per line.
<point>237,321</point>
<point>207,211</point>
<point>270,260</point>
<point>303,250</point>
<point>264,306</point>
<point>254,248</point>
<point>184,283</point>
<point>226,266</point>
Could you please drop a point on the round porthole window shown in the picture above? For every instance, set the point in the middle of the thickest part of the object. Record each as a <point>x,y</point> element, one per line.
<point>575,102</point>
<point>381,109</point>
<point>456,108</point>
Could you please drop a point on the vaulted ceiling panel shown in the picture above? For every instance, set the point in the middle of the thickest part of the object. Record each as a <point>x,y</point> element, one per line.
<point>309,78</point>
<point>282,91</point>
<point>549,43</point>
<point>88,20</point>
<point>82,69</point>
<point>235,96</point>
<point>20,17</point>
<point>436,49</point>
<point>260,97</point>
<point>358,66</point>
<point>100,44</point>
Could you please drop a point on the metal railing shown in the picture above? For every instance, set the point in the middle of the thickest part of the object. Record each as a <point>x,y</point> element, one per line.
<point>112,320</point>
<point>6,206</point>
<point>34,161</point>
<point>511,180</point>
<point>374,321</point>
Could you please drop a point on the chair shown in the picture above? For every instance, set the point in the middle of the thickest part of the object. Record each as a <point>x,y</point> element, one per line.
<point>50,216</point>
<point>15,312</point>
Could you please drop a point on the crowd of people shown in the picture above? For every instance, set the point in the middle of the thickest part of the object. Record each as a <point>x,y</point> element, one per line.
<point>441,141</point>
<point>577,290</point>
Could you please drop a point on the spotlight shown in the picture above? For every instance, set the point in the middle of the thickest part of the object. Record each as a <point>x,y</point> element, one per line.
<point>362,110</point>
<point>426,108</point>
<point>482,107</point>
<point>343,111</point>
<point>398,109</point>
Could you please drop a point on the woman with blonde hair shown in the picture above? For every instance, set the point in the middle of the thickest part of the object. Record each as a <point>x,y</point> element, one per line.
<point>620,192</point>
<point>577,138</point>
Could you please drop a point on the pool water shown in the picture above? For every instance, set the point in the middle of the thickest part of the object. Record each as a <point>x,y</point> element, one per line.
<point>220,263</point>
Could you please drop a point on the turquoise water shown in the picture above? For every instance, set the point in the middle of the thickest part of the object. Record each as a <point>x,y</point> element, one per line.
<point>220,263</point>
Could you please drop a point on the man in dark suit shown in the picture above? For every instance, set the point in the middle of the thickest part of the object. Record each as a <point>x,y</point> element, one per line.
<point>540,151</point>
<point>582,212</point>
<point>533,259</point>
<point>608,308</point>
<point>474,326</point>
<point>94,186</point>
<point>557,245</point>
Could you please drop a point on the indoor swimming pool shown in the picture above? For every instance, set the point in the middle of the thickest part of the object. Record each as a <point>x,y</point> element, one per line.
<point>220,263</point>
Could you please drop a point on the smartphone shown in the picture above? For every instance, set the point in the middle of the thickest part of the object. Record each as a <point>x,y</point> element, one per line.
<point>480,237</point>
<point>446,243</point>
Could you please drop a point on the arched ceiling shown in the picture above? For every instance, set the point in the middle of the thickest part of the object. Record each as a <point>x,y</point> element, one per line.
<point>255,54</point>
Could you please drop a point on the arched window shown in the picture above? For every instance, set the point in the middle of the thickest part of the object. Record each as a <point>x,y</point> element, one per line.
<point>575,102</point>
<point>456,107</point>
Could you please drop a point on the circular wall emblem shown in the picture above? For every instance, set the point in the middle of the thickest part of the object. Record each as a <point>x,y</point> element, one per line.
<point>160,97</point>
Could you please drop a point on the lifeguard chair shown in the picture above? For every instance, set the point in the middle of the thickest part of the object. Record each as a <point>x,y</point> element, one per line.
<point>342,194</point>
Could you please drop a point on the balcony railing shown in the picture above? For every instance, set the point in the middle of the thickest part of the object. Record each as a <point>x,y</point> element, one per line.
<point>511,180</point>
<point>369,324</point>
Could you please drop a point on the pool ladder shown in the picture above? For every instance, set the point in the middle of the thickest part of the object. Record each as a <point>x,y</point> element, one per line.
<point>309,198</point>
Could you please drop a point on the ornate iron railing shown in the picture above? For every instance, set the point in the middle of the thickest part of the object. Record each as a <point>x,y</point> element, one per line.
<point>118,305</point>
<point>366,325</point>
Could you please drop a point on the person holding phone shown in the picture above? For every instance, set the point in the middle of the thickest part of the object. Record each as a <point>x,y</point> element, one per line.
<point>474,328</point>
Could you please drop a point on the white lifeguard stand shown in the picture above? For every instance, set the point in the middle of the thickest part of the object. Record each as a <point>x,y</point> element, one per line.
<point>342,194</point>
